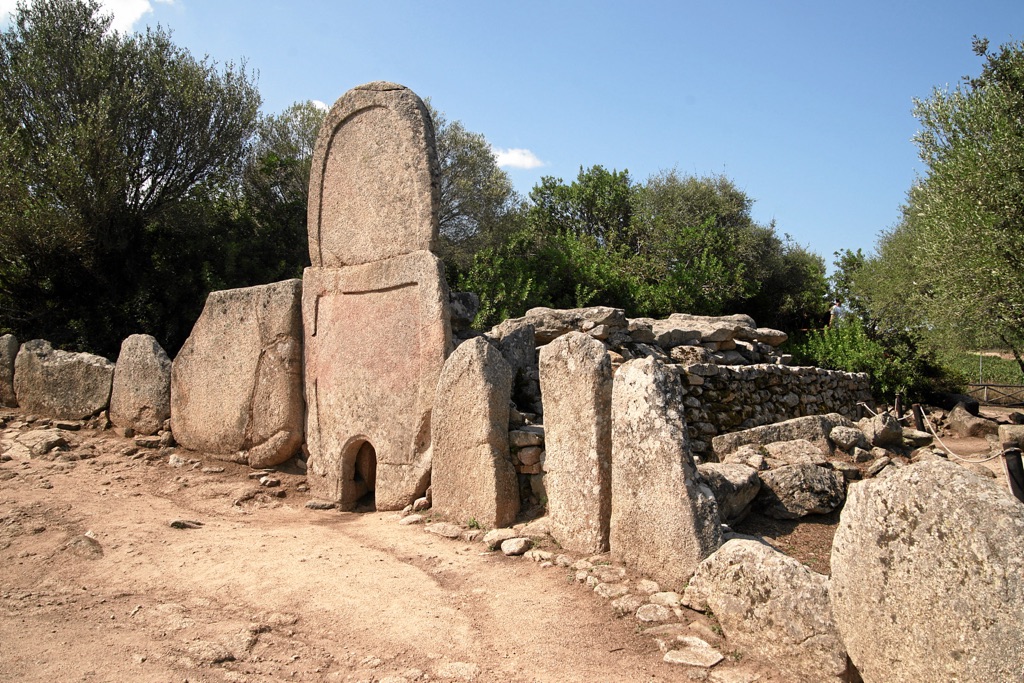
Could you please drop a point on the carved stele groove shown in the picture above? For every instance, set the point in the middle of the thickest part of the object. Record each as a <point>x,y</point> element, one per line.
<point>373,191</point>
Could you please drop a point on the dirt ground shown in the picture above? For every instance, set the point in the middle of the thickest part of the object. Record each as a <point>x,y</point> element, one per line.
<point>97,584</point>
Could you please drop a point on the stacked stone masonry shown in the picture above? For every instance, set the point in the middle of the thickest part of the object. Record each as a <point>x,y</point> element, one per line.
<point>733,376</point>
<point>723,399</point>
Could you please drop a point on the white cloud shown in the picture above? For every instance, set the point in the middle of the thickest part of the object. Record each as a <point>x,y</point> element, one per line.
<point>320,105</point>
<point>516,158</point>
<point>125,12</point>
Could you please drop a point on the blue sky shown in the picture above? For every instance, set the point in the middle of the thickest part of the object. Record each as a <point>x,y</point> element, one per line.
<point>806,106</point>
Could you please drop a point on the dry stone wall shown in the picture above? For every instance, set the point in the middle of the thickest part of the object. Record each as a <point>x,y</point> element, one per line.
<point>722,399</point>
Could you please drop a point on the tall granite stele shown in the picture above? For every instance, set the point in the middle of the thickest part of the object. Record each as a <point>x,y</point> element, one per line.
<point>374,301</point>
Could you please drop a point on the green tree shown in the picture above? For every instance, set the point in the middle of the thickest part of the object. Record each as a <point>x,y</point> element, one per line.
<point>598,205</point>
<point>707,254</point>
<point>106,137</point>
<point>479,207</point>
<point>269,213</point>
<point>688,232</point>
<point>671,244</point>
<point>952,267</point>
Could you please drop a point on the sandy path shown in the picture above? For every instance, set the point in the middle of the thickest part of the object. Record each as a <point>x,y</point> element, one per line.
<point>269,590</point>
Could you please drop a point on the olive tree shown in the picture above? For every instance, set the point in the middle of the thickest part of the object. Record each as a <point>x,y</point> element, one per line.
<point>952,266</point>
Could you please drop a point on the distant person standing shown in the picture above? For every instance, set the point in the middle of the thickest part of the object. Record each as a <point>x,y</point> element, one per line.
<point>837,312</point>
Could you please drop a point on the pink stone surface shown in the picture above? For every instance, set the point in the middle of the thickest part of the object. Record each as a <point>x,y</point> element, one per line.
<point>376,337</point>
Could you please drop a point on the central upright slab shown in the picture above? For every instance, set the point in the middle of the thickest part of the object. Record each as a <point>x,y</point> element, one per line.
<point>375,303</point>
<point>373,186</point>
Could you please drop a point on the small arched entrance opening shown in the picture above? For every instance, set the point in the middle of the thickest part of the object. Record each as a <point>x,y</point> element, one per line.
<point>359,478</point>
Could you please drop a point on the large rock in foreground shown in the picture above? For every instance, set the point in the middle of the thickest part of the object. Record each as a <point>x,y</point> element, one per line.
<point>927,568</point>
<point>141,397</point>
<point>71,386</point>
<point>236,384</point>
<point>664,518</point>
<point>772,605</point>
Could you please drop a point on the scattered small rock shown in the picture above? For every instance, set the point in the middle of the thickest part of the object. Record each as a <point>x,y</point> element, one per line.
<point>444,529</point>
<point>693,651</point>
<point>410,519</point>
<point>472,535</point>
<point>321,504</point>
<point>48,443</point>
<point>666,599</point>
<point>85,546</point>
<point>879,465</point>
<point>628,604</point>
<point>539,555</point>
<point>611,590</point>
<point>495,537</point>
<point>148,442</point>
<point>654,613</point>
<point>185,524</point>
<point>606,574</point>
<point>516,546</point>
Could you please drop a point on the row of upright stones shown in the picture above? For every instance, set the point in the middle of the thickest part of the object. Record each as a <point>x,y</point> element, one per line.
<point>355,362</point>
<point>134,392</point>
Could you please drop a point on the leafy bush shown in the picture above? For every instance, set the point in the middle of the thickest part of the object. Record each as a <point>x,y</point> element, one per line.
<point>894,360</point>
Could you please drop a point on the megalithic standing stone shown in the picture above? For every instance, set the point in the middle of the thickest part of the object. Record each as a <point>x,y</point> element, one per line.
<point>375,303</point>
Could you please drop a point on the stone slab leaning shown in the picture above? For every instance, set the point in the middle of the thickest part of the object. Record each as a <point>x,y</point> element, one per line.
<point>141,395</point>
<point>473,477</point>
<point>236,383</point>
<point>60,384</point>
<point>8,353</point>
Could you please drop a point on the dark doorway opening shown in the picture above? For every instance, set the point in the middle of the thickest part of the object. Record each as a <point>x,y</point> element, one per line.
<point>361,486</point>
